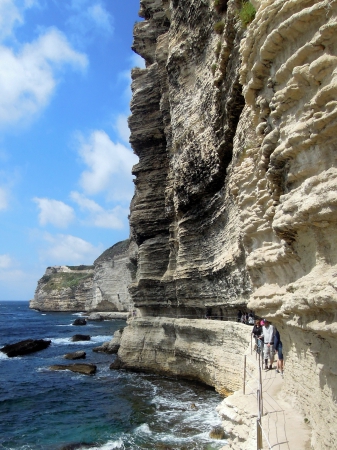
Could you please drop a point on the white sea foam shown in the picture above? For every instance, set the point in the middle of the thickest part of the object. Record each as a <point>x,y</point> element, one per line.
<point>67,340</point>
<point>143,428</point>
<point>110,445</point>
<point>3,356</point>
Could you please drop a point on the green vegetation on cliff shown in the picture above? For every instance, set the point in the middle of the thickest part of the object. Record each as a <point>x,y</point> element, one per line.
<point>58,281</point>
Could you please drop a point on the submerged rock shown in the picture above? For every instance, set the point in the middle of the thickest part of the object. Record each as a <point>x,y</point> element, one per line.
<point>80,337</point>
<point>25,347</point>
<point>217,432</point>
<point>75,355</point>
<point>77,445</point>
<point>80,321</point>
<point>85,369</point>
<point>115,365</point>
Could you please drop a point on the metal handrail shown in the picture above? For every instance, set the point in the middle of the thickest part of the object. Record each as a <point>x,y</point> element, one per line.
<point>259,395</point>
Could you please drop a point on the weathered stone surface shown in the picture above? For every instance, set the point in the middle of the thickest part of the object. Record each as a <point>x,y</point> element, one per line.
<point>85,369</point>
<point>206,350</point>
<point>111,346</point>
<point>25,347</point>
<point>235,202</point>
<point>190,255</point>
<point>113,273</point>
<point>75,355</point>
<point>108,316</point>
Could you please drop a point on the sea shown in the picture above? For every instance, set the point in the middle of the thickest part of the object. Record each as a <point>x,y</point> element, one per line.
<point>42,409</point>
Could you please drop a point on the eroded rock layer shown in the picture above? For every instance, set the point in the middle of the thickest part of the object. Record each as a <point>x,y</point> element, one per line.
<point>235,203</point>
<point>200,350</point>
<point>113,272</point>
<point>183,123</point>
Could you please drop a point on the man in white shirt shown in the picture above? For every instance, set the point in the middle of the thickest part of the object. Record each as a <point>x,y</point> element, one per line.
<point>268,335</point>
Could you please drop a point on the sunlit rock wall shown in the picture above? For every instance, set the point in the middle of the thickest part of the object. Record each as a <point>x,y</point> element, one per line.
<point>284,181</point>
<point>235,202</point>
<point>200,350</point>
<point>114,271</point>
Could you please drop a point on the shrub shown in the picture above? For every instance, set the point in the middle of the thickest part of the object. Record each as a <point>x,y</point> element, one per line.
<point>219,27</point>
<point>213,68</point>
<point>220,5</point>
<point>247,13</point>
<point>218,49</point>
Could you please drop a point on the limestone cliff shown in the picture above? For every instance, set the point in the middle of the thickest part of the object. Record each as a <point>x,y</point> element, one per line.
<point>235,205</point>
<point>113,272</point>
<point>100,287</point>
<point>63,288</point>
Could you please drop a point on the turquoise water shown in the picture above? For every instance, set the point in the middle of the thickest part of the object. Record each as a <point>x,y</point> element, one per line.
<point>45,410</point>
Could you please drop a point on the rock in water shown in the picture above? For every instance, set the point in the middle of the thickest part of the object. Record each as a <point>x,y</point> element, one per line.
<point>77,445</point>
<point>24,347</point>
<point>115,365</point>
<point>75,355</point>
<point>85,369</point>
<point>80,337</point>
<point>217,433</point>
<point>80,321</point>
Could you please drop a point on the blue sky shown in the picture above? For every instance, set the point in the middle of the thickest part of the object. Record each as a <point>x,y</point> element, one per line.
<point>65,160</point>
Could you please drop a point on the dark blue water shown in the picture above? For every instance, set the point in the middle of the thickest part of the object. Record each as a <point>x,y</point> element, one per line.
<point>46,410</point>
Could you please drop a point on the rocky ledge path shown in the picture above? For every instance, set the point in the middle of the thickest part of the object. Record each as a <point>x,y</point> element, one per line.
<point>284,427</point>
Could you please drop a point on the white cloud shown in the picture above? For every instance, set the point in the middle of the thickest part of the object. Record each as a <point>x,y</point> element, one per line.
<point>3,199</point>
<point>54,212</point>
<point>114,218</point>
<point>90,20</point>
<point>100,16</point>
<point>9,17</point>
<point>67,249</point>
<point>5,262</point>
<point>109,166</point>
<point>122,127</point>
<point>28,78</point>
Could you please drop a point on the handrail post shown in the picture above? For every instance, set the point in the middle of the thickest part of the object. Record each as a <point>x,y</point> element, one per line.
<point>258,422</point>
<point>244,374</point>
<point>261,392</point>
<point>251,343</point>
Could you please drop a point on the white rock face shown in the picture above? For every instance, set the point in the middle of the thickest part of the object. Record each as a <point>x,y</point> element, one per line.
<point>283,179</point>
<point>235,201</point>
<point>113,273</point>
<point>210,351</point>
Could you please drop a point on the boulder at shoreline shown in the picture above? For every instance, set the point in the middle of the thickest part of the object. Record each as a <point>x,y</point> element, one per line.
<point>85,369</point>
<point>76,355</point>
<point>25,347</point>
<point>80,337</point>
<point>80,321</point>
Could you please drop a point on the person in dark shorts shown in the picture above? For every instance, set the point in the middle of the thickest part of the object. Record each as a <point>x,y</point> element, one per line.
<point>279,350</point>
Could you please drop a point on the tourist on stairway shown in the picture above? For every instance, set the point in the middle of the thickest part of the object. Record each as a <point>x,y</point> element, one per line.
<point>268,336</point>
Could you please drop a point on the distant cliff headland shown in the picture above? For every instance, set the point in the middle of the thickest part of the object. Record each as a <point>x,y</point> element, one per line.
<point>100,287</point>
<point>234,121</point>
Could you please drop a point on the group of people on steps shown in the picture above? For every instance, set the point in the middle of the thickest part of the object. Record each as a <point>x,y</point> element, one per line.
<point>268,342</point>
